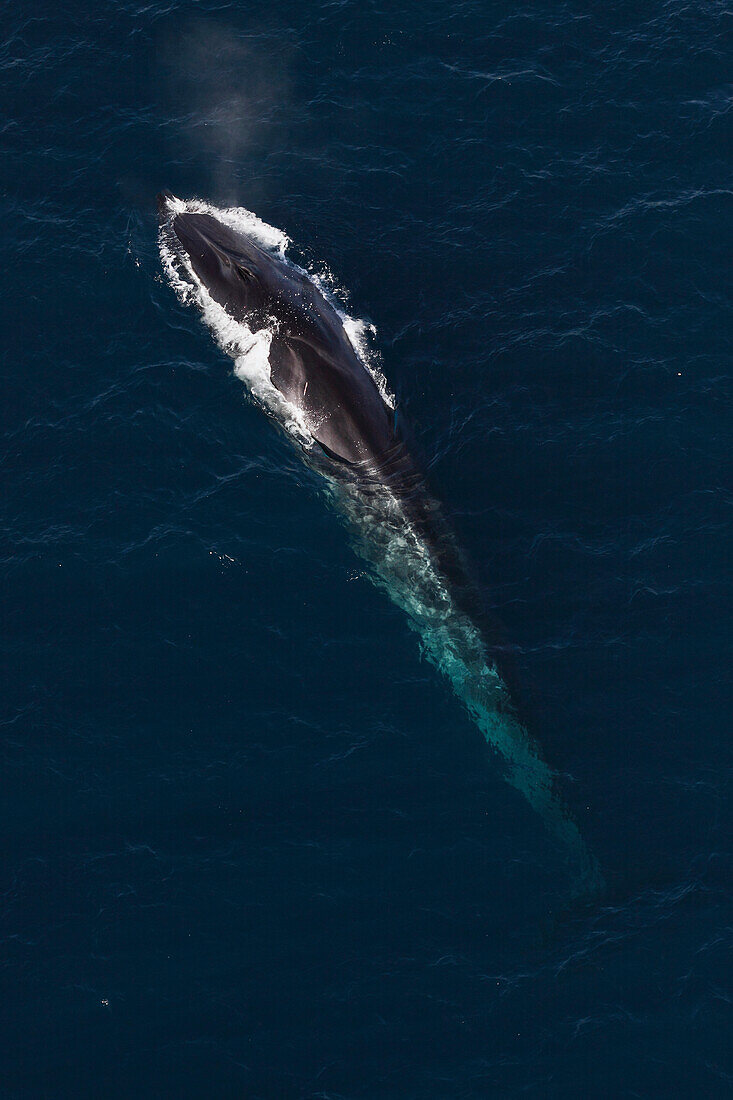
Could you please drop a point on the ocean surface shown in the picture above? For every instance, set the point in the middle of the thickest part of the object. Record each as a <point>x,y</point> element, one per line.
<point>252,845</point>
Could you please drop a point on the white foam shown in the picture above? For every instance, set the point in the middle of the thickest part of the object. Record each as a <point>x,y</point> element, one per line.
<point>250,349</point>
<point>238,218</point>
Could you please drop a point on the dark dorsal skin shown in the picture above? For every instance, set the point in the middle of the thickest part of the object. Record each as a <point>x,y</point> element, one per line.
<point>312,362</point>
<point>339,401</point>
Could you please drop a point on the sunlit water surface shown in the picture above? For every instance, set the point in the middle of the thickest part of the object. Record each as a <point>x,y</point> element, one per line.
<point>253,844</point>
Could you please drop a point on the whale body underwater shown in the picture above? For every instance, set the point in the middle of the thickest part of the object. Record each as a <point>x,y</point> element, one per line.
<point>291,346</point>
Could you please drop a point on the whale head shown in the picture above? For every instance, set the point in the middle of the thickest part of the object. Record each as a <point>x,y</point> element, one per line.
<point>251,282</point>
<point>312,363</point>
<point>235,270</point>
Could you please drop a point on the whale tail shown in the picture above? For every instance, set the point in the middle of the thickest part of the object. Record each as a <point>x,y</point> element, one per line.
<point>458,652</point>
<point>529,774</point>
<point>413,575</point>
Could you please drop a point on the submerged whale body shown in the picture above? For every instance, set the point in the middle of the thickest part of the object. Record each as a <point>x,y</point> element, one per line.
<point>324,386</point>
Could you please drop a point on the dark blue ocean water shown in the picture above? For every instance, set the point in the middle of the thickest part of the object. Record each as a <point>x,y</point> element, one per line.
<point>251,844</point>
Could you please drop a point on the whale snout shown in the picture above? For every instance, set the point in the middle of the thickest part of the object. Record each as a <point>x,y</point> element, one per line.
<point>194,241</point>
<point>226,262</point>
<point>164,199</point>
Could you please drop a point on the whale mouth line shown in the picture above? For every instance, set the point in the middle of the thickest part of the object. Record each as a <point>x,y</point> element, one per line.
<point>224,254</point>
<point>185,221</point>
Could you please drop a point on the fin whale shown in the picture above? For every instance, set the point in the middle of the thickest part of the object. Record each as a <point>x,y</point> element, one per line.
<point>372,480</point>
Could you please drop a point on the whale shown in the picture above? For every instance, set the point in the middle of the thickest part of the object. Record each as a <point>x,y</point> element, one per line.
<point>315,381</point>
<point>313,364</point>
